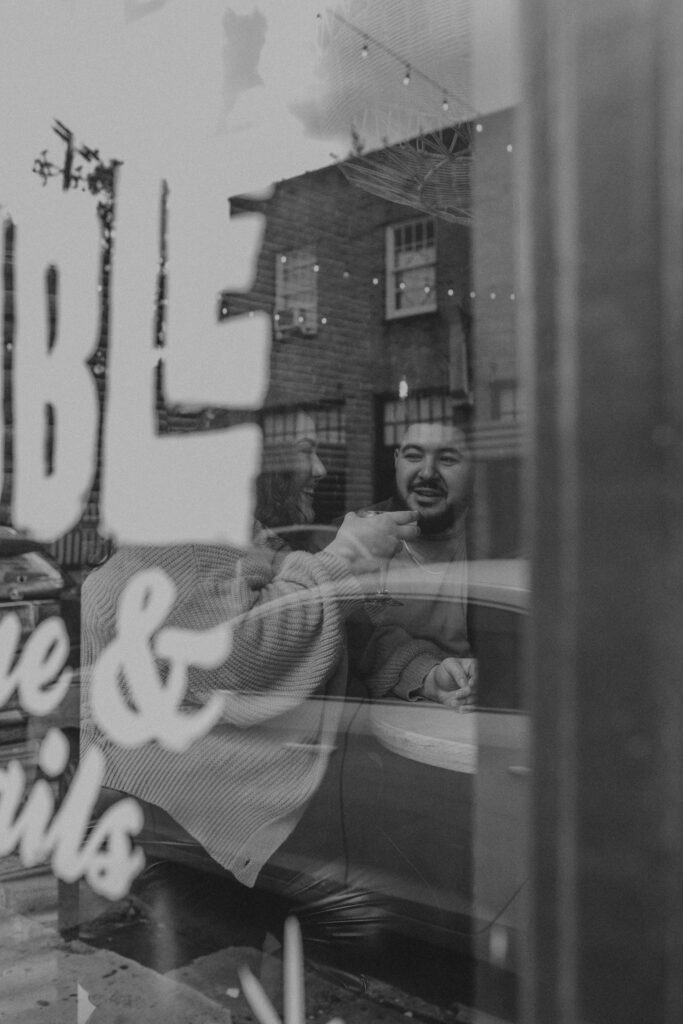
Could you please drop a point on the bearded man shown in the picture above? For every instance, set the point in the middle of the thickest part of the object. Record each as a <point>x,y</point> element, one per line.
<point>433,477</point>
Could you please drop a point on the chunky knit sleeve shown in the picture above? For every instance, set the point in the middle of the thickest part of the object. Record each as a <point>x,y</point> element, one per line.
<point>288,635</point>
<point>241,788</point>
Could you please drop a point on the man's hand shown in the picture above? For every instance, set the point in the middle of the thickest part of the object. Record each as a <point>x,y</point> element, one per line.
<point>452,682</point>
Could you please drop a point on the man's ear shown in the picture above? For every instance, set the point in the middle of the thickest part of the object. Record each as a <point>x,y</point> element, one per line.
<point>395,455</point>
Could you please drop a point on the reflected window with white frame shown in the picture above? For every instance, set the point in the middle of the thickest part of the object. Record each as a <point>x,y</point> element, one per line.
<point>411,267</point>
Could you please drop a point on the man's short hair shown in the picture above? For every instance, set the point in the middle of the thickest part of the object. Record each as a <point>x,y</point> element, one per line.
<point>460,419</point>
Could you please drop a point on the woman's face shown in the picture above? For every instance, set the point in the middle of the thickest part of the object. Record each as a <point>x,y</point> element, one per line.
<point>306,467</point>
<point>291,471</point>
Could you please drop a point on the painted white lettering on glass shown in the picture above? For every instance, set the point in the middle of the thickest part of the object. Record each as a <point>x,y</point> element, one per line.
<point>39,663</point>
<point>148,708</point>
<point>106,858</point>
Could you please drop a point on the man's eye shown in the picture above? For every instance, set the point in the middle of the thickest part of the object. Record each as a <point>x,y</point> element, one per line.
<point>412,456</point>
<point>450,460</point>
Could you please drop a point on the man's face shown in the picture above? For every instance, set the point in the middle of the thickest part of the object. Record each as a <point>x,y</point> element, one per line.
<point>306,466</point>
<point>434,474</point>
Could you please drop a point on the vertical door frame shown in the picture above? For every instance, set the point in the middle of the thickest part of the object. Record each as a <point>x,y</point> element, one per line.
<point>600,168</point>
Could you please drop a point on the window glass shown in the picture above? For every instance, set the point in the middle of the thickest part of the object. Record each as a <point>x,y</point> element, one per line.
<point>296,293</point>
<point>411,268</point>
<point>240,344</point>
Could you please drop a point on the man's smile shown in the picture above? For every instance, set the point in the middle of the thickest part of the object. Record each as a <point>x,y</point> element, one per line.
<point>428,493</point>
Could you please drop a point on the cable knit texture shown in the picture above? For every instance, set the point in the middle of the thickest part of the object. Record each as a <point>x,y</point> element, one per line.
<point>241,789</point>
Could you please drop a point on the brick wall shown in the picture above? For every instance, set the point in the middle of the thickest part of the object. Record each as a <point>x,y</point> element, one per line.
<point>357,353</point>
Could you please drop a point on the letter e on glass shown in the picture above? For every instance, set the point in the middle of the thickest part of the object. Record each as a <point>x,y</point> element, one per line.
<point>169,489</point>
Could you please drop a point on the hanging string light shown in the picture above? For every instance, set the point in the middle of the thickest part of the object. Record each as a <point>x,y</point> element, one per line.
<point>375,280</point>
<point>411,71</point>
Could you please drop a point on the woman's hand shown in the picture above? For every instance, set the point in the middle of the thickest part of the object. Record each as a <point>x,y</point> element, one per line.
<point>365,542</point>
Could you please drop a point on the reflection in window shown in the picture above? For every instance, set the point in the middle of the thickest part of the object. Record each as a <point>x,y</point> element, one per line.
<point>279,427</point>
<point>432,406</point>
<point>411,268</point>
<point>296,293</point>
<point>505,401</point>
<point>330,423</point>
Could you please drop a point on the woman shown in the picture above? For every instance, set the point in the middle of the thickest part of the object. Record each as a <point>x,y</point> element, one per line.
<point>241,789</point>
<point>292,470</point>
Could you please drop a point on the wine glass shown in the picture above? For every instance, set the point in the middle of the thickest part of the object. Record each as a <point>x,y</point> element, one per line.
<point>382,591</point>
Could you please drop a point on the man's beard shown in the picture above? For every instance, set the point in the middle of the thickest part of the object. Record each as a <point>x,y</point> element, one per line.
<point>431,526</point>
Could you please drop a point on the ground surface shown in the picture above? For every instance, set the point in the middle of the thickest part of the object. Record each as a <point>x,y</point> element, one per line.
<point>171,952</point>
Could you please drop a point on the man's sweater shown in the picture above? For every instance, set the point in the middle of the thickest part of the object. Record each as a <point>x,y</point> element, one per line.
<point>427,581</point>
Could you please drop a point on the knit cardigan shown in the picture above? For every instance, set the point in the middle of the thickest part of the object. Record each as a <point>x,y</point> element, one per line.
<point>241,789</point>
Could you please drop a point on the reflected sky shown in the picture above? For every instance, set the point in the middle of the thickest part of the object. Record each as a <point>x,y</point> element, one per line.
<point>264,91</point>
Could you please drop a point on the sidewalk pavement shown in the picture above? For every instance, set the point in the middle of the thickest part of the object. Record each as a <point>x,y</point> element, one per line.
<point>47,980</point>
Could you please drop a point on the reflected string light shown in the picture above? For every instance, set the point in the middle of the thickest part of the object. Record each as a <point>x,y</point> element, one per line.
<point>410,70</point>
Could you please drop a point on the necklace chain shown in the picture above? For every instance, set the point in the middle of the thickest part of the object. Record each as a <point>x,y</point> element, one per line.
<point>420,561</point>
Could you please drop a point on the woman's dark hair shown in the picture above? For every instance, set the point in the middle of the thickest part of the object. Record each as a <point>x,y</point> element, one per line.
<point>277,499</point>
